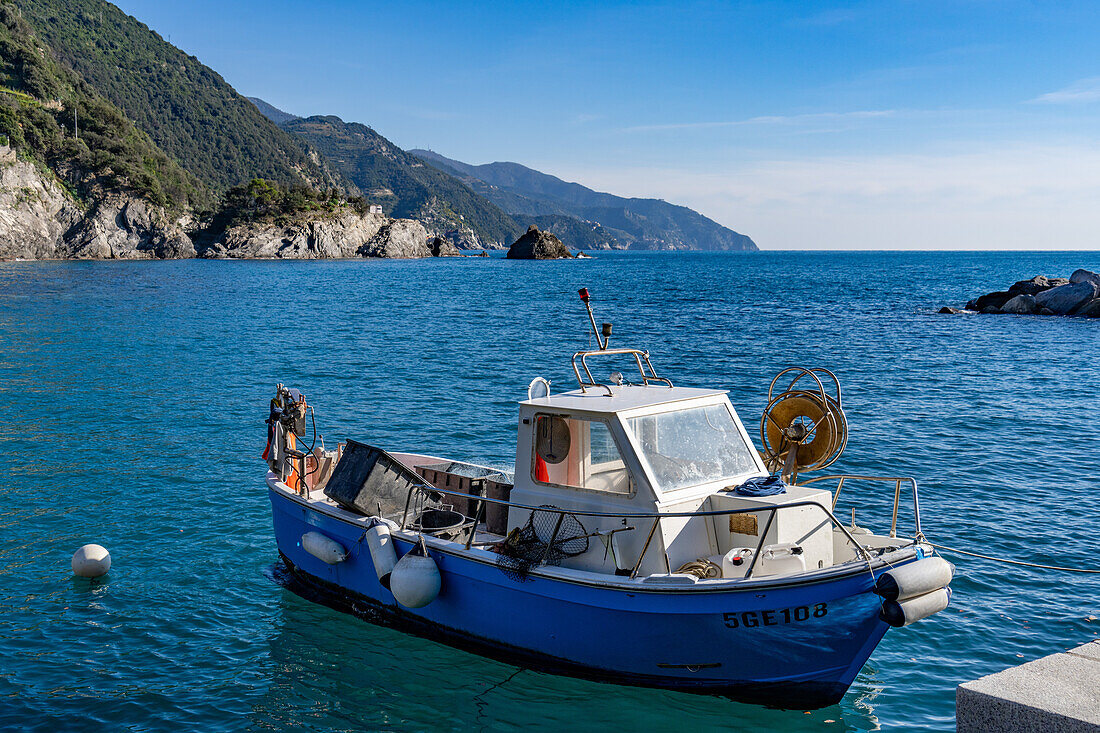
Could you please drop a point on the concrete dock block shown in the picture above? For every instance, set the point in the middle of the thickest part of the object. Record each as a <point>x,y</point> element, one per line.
<point>1055,694</point>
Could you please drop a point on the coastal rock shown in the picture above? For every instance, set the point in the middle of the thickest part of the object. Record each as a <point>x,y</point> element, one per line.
<point>327,237</point>
<point>1021,305</point>
<point>39,220</point>
<point>538,245</point>
<point>35,212</point>
<point>399,239</point>
<point>1085,276</point>
<point>441,247</point>
<point>1066,298</point>
<point>123,227</point>
<point>949,309</point>
<point>995,300</point>
<point>990,309</point>
<point>1090,309</point>
<point>1036,285</point>
<point>463,238</point>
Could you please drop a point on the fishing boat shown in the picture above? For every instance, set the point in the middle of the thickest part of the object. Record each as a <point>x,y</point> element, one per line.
<point>641,539</point>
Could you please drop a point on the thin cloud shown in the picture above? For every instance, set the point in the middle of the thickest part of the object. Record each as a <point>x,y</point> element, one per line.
<point>766,120</point>
<point>582,119</point>
<point>826,18</point>
<point>1085,90</point>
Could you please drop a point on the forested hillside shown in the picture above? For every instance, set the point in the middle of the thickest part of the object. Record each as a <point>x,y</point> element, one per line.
<point>402,183</point>
<point>186,108</point>
<point>50,115</point>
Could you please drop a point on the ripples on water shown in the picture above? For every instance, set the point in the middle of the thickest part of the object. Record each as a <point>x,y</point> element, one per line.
<point>134,395</point>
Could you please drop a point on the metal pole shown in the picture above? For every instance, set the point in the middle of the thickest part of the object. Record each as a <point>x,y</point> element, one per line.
<point>760,544</point>
<point>477,520</point>
<point>897,501</point>
<point>648,539</point>
<point>553,538</point>
<point>916,511</point>
<point>592,318</point>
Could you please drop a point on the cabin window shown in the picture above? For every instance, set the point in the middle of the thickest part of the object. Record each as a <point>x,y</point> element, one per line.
<point>578,453</point>
<point>692,447</point>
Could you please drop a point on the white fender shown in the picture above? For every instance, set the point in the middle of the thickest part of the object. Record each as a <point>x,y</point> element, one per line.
<point>903,613</point>
<point>382,553</point>
<point>324,549</point>
<point>415,580</point>
<point>915,579</point>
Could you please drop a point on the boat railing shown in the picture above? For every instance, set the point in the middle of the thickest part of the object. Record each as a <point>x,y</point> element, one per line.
<point>641,359</point>
<point>861,551</point>
<point>898,481</point>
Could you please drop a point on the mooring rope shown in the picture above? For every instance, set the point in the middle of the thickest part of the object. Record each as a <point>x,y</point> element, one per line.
<point>1014,562</point>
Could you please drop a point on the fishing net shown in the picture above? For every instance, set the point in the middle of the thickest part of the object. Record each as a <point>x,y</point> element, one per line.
<point>537,543</point>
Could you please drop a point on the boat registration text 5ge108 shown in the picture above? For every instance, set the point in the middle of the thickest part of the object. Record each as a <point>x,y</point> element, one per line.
<point>753,619</point>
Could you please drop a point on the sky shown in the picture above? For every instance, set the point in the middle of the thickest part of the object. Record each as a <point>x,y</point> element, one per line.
<point>972,124</point>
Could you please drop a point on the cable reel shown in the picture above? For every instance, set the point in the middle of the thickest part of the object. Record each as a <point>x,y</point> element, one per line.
<point>803,428</point>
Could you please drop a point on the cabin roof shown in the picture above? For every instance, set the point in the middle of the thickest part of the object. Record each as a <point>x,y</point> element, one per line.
<point>626,397</point>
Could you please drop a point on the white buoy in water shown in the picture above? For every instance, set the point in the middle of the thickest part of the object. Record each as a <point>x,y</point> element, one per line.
<point>91,561</point>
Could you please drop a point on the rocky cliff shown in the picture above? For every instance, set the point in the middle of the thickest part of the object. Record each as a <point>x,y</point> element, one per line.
<point>35,211</point>
<point>345,236</point>
<point>40,220</point>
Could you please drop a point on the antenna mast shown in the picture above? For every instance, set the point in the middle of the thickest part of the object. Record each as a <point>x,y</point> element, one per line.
<point>603,334</point>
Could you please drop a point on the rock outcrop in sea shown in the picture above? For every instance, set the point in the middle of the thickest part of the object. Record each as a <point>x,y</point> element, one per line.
<point>1078,295</point>
<point>538,245</point>
<point>441,247</point>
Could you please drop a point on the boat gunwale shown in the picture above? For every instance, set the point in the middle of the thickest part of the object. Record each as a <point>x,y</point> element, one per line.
<point>568,575</point>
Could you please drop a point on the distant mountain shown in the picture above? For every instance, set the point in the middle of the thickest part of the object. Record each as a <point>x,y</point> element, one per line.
<point>272,112</point>
<point>186,108</point>
<point>577,233</point>
<point>404,185</point>
<point>634,223</point>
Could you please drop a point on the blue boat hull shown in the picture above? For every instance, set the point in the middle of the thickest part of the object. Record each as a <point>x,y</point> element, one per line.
<point>790,646</point>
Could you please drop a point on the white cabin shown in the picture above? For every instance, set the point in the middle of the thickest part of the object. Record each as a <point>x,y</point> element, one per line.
<point>655,448</point>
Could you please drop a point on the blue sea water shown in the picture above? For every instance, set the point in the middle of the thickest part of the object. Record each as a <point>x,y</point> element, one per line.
<point>133,396</point>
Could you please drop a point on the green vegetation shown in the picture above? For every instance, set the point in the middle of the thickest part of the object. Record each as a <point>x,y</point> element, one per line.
<point>401,182</point>
<point>186,108</point>
<point>43,103</point>
<point>261,201</point>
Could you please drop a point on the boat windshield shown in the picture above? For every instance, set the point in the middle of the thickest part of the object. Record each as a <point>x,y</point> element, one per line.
<point>692,447</point>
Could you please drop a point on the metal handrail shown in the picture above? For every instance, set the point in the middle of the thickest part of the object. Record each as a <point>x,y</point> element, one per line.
<point>897,481</point>
<point>657,517</point>
<point>638,355</point>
